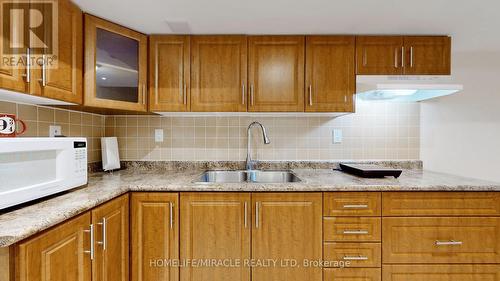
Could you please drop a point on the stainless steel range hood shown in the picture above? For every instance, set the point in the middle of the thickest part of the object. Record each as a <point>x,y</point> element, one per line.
<point>404,88</point>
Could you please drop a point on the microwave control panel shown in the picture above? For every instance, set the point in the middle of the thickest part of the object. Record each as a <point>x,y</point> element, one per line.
<point>80,149</point>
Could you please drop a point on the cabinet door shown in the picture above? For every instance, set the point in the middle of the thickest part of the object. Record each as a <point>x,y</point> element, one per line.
<point>58,254</point>
<point>13,75</point>
<point>215,226</point>
<point>287,226</point>
<point>62,80</point>
<point>155,235</point>
<point>111,230</point>
<point>115,66</point>
<point>427,55</point>
<point>276,73</point>
<point>330,74</point>
<point>441,272</point>
<point>379,55</point>
<point>169,73</point>
<point>218,73</point>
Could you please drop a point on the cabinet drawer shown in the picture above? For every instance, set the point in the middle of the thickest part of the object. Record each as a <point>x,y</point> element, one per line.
<point>351,274</point>
<point>357,254</point>
<point>441,240</point>
<point>338,204</point>
<point>441,204</point>
<point>351,229</point>
<point>441,272</point>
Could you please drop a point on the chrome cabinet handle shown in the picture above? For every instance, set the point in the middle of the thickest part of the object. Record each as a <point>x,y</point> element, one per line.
<point>355,258</point>
<point>403,56</point>
<point>345,98</point>
<point>396,58</point>
<point>251,94</point>
<point>243,93</point>
<point>365,59</point>
<point>411,56</point>
<point>144,94</point>
<point>355,206</point>
<point>310,95</point>
<point>103,242</point>
<point>91,251</point>
<point>448,243</point>
<point>28,65</point>
<point>171,215</point>
<point>360,231</point>
<point>44,71</point>
<point>185,93</point>
<point>246,214</point>
<point>256,214</point>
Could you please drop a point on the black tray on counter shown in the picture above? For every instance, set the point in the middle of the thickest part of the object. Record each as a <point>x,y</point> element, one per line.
<point>370,170</point>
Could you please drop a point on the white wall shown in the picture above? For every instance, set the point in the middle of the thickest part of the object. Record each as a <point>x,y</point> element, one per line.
<point>460,134</point>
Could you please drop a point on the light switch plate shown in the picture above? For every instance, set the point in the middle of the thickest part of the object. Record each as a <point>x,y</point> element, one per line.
<point>158,135</point>
<point>337,135</point>
<point>54,130</point>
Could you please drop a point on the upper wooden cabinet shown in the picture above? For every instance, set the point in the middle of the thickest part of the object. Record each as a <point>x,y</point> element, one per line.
<point>155,235</point>
<point>115,66</point>
<point>215,226</point>
<point>218,73</point>
<point>276,73</point>
<point>59,78</point>
<point>169,73</point>
<point>379,55</point>
<point>427,55</point>
<point>287,226</point>
<point>408,55</point>
<point>59,254</point>
<point>330,74</point>
<point>111,232</point>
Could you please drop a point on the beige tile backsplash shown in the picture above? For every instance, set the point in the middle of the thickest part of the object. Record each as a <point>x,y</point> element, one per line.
<point>73,123</point>
<point>378,130</point>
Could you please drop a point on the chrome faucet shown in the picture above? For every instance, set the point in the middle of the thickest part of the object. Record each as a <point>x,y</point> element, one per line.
<point>251,163</point>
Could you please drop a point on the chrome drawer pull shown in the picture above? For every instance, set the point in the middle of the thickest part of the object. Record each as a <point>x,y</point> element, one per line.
<point>359,206</point>
<point>104,239</point>
<point>91,251</point>
<point>356,231</point>
<point>355,258</point>
<point>448,243</point>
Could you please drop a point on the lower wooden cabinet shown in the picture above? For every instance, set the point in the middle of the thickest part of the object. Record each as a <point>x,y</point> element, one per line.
<point>215,226</point>
<point>356,254</point>
<point>111,232</point>
<point>287,226</point>
<point>154,232</point>
<point>58,254</point>
<point>440,272</point>
<point>352,274</point>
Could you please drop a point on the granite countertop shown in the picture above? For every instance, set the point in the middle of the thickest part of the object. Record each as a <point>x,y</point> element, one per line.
<point>23,222</point>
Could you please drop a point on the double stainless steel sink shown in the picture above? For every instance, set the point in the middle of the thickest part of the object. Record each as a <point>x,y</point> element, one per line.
<point>253,176</point>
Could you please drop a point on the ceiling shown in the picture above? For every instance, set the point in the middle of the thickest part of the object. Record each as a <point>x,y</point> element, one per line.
<point>473,24</point>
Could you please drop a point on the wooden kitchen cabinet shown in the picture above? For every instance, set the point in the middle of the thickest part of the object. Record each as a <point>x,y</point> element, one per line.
<point>379,55</point>
<point>403,55</point>
<point>169,73</point>
<point>427,55</point>
<point>111,230</point>
<point>115,66</point>
<point>215,226</point>
<point>219,73</point>
<point>154,226</point>
<point>330,78</point>
<point>441,272</point>
<point>64,80</point>
<point>276,73</point>
<point>352,274</point>
<point>58,254</point>
<point>287,226</point>
<point>61,80</point>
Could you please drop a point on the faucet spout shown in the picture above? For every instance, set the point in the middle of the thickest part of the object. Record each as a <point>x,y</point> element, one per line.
<point>250,164</point>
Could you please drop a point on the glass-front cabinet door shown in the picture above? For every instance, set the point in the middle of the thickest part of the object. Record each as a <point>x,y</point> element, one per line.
<point>115,66</point>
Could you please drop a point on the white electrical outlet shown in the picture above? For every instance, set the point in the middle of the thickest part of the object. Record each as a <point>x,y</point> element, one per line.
<point>54,130</point>
<point>337,135</point>
<point>158,135</point>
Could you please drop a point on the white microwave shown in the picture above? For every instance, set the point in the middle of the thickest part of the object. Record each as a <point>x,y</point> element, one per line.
<point>31,168</point>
